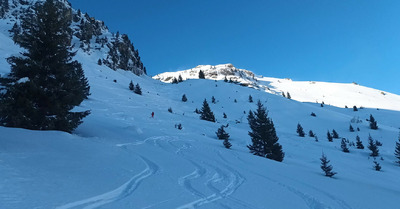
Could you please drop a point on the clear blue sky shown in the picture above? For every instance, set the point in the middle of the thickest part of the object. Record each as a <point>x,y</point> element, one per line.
<point>321,40</point>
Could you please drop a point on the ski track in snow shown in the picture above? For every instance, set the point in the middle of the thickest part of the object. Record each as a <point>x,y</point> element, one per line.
<point>121,192</point>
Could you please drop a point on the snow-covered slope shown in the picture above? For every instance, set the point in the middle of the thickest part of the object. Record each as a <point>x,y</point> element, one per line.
<point>122,158</point>
<point>335,94</point>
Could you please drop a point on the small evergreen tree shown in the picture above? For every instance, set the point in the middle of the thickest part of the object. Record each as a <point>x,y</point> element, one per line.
<point>288,95</point>
<point>227,144</point>
<point>311,133</point>
<point>343,145</point>
<point>313,114</point>
<point>197,111</point>
<point>359,143</point>
<point>250,99</point>
<point>99,62</point>
<point>377,166</point>
<point>355,108</point>
<point>180,78</point>
<point>372,146</point>
<point>300,130</point>
<point>206,113</point>
<point>329,136</point>
<point>372,123</point>
<point>326,167</point>
<point>137,89</point>
<point>283,94</point>
<point>221,133</point>
<point>184,99</point>
<point>170,110</point>
<point>213,100</point>
<point>201,75</point>
<point>351,129</point>
<point>174,81</point>
<point>335,135</point>
<point>224,115</point>
<point>397,151</point>
<point>131,86</point>
<point>225,79</point>
<point>263,135</point>
<point>235,101</point>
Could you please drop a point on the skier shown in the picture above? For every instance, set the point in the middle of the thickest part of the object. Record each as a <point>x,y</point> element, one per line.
<point>152,114</point>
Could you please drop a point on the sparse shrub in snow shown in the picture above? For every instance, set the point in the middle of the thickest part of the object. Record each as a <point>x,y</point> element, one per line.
<point>178,126</point>
<point>351,129</point>
<point>329,136</point>
<point>397,151</point>
<point>326,167</point>
<point>311,133</point>
<point>335,135</point>
<point>377,166</point>
<point>372,146</point>
<point>313,114</point>
<point>206,113</point>
<point>221,133</point>
<point>131,86</point>
<point>250,99</point>
<point>197,111</point>
<point>115,80</point>
<point>343,145</point>
<point>372,123</point>
<point>359,143</point>
<point>263,135</point>
<point>184,98</point>
<point>300,130</point>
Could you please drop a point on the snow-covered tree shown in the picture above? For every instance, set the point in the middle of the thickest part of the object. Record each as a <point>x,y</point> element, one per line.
<point>206,113</point>
<point>263,135</point>
<point>326,167</point>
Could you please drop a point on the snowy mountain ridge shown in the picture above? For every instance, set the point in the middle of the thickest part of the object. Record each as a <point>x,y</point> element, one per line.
<point>335,94</point>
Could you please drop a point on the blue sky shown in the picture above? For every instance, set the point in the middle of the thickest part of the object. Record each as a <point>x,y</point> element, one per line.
<point>321,40</point>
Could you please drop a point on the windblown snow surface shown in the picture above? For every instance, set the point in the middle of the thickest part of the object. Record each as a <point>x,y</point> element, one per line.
<point>121,158</point>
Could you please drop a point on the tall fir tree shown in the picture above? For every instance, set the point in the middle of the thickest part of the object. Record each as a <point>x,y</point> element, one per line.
<point>372,123</point>
<point>206,113</point>
<point>300,130</point>
<point>329,136</point>
<point>137,89</point>
<point>45,84</point>
<point>326,167</point>
<point>372,146</point>
<point>221,133</point>
<point>263,135</point>
<point>397,151</point>
<point>335,135</point>
<point>359,143</point>
<point>201,75</point>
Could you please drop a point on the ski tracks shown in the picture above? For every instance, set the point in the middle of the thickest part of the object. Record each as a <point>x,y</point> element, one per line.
<point>117,194</point>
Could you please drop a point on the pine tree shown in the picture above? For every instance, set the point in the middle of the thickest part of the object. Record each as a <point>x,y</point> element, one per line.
<point>283,94</point>
<point>359,143</point>
<point>313,114</point>
<point>397,151</point>
<point>377,166</point>
<point>131,86</point>
<point>372,146</point>
<point>372,123</point>
<point>335,135</point>
<point>137,89</point>
<point>250,99</point>
<point>45,84</point>
<point>184,99</point>
<point>263,135</point>
<point>227,144</point>
<point>300,130</point>
<point>343,145</point>
<point>213,100</point>
<point>326,167</point>
<point>180,78</point>
<point>329,136</point>
<point>221,133</point>
<point>170,109</point>
<point>235,101</point>
<point>206,113</point>
<point>355,108</point>
<point>174,81</point>
<point>225,79</point>
<point>224,115</point>
<point>99,62</point>
<point>201,75</point>
<point>311,133</point>
<point>351,128</point>
<point>288,95</point>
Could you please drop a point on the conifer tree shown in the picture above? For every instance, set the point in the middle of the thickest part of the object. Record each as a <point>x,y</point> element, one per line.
<point>288,95</point>
<point>221,133</point>
<point>131,86</point>
<point>184,98</point>
<point>355,108</point>
<point>351,129</point>
<point>343,145</point>
<point>180,78</point>
<point>201,75</point>
<point>300,130</point>
<point>377,166</point>
<point>45,84</point>
<point>174,81</point>
<point>359,143</point>
<point>283,94</point>
<point>372,123</point>
<point>397,151</point>
<point>263,135</point>
<point>99,62</point>
<point>206,113</point>
<point>137,89</point>
<point>213,100</point>
<point>372,146</point>
<point>227,144</point>
<point>224,115</point>
<point>329,136</point>
<point>311,133</point>
<point>326,167</point>
<point>225,79</point>
<point>250,99</point>
<point>235,101</point>
<point>335,135</point>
